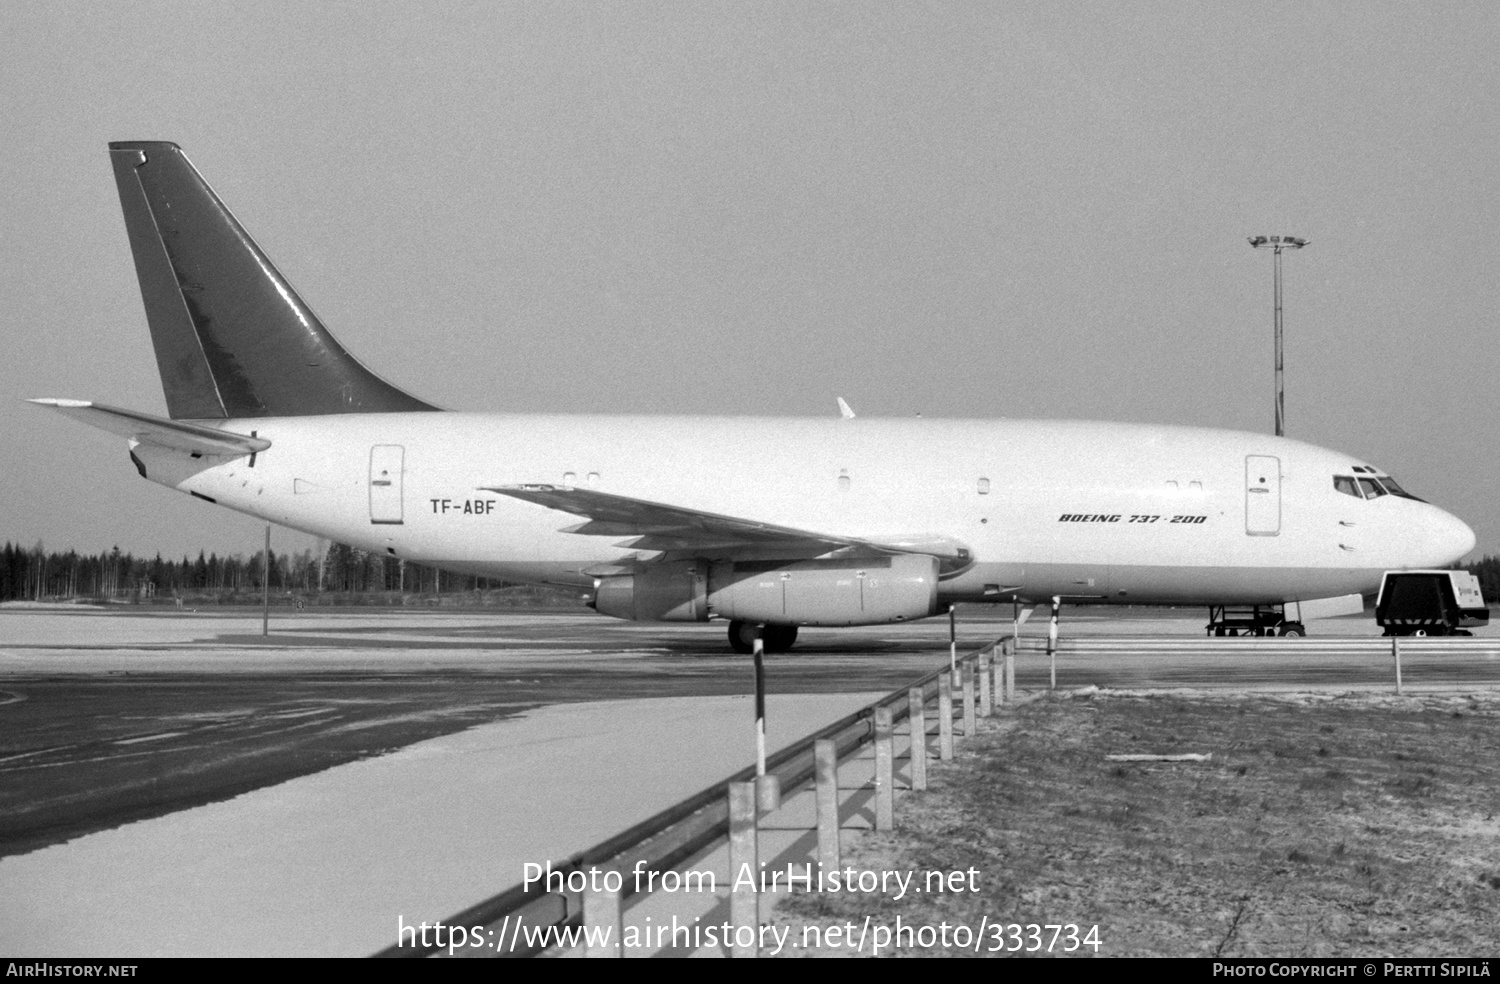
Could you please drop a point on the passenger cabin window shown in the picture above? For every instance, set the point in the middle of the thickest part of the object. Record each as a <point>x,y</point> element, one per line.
<point>984,486</point>
<point>1345,484</point>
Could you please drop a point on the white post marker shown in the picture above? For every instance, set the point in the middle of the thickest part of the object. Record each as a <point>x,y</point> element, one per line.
<point>744,904</point>
<point>759,648</point>
<point>953,642</point>
<point>1052,640</point>
<point>970,724</point>
<point>945,717</point>
<point>986,706</point>
<point>1015,647</point>
<point>767,788</point>
<point>1396,654</point>
<point>602,911</point>
<point>1020,620</point>
<point>826,792</point>
<point>885,777</point>
<point>265,569</point>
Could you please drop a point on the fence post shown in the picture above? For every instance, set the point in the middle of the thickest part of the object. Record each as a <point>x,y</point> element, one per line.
<point>945,717</point>
<point>602,909</point>
<point>885,793</point>
<point>986,704</point>
<point>826,766</point>
<point>916,716</point>
<point>1010,676</point>
<point>1396,654</point>
<point>1052,642</point>
<point>768,792</point>
<point>744,906</point>
<point>953,640</point>
<point>969,719</point>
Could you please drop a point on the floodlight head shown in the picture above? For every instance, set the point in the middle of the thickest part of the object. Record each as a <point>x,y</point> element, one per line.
<point>1278,242</point>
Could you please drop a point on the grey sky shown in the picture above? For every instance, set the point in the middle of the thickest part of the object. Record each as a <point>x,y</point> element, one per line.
<point>1009,209</point>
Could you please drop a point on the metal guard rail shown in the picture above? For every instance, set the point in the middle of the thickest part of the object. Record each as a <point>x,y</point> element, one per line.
<point>1241,645</point>
<point>679,832</point>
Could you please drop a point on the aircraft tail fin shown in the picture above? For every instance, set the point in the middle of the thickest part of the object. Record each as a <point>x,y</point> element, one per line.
<point>232,338</point>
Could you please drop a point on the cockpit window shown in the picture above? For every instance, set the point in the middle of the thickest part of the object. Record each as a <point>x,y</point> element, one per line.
<point>1372,487</point>
<point>1394,489</point>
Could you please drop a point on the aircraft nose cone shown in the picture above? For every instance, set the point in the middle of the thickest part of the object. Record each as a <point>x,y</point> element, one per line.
<point>1452,537</point>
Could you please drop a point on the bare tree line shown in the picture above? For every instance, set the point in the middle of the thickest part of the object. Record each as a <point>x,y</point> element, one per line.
<point>335,573</point>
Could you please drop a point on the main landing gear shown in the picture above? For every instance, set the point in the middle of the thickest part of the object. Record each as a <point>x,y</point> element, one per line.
<point>775,638</point>
<point>1254,621</point>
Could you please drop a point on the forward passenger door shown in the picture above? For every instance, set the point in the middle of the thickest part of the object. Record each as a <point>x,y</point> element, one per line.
<point>1262,495</point>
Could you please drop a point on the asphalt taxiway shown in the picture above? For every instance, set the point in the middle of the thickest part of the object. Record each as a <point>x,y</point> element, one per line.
<point>113,715</point>
<point>168,763</point>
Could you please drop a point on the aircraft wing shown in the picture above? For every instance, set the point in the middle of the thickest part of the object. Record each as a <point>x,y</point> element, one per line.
<point>657,526</point>
<point>147,429</point>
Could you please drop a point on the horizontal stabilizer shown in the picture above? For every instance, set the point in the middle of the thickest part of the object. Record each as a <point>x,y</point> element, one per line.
<point>147,429</point>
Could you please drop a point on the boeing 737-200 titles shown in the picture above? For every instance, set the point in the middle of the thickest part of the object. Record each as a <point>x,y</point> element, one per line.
<point>768,523</point>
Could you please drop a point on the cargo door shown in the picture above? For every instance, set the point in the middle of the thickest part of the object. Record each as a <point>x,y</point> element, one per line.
<point>386,462</point>
<point>1262,495</point>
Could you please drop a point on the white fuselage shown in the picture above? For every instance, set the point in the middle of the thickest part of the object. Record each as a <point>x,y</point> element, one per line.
<point>1111,512</point>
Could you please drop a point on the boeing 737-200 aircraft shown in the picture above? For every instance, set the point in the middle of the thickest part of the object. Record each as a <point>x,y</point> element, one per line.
<point>767,523</point>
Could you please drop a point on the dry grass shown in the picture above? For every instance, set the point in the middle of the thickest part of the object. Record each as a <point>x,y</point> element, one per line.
<point>1323,826</point>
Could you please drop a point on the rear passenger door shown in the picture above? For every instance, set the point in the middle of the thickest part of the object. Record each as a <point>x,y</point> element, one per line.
<point>386,465</point>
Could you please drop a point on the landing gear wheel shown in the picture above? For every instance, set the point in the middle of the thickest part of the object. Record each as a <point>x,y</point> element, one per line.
<point>1293,629</point>
<point>742,637</point>
<point>778,638</point>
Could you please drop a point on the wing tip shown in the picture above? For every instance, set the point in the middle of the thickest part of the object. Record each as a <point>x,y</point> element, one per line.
<point>53,401</point>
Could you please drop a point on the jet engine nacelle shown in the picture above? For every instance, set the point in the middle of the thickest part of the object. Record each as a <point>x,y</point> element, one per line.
<point>800,592</point>
<point>675,592</point>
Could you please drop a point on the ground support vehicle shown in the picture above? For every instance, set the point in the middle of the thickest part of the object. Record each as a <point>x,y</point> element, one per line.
<point>1257,620</point>
<point>1429,603</point>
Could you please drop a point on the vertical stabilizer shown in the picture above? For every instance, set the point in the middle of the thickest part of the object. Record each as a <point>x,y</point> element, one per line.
<point>232,337</point>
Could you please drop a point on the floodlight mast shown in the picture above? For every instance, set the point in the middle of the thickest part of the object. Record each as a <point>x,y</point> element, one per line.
<point>1276,244</point>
